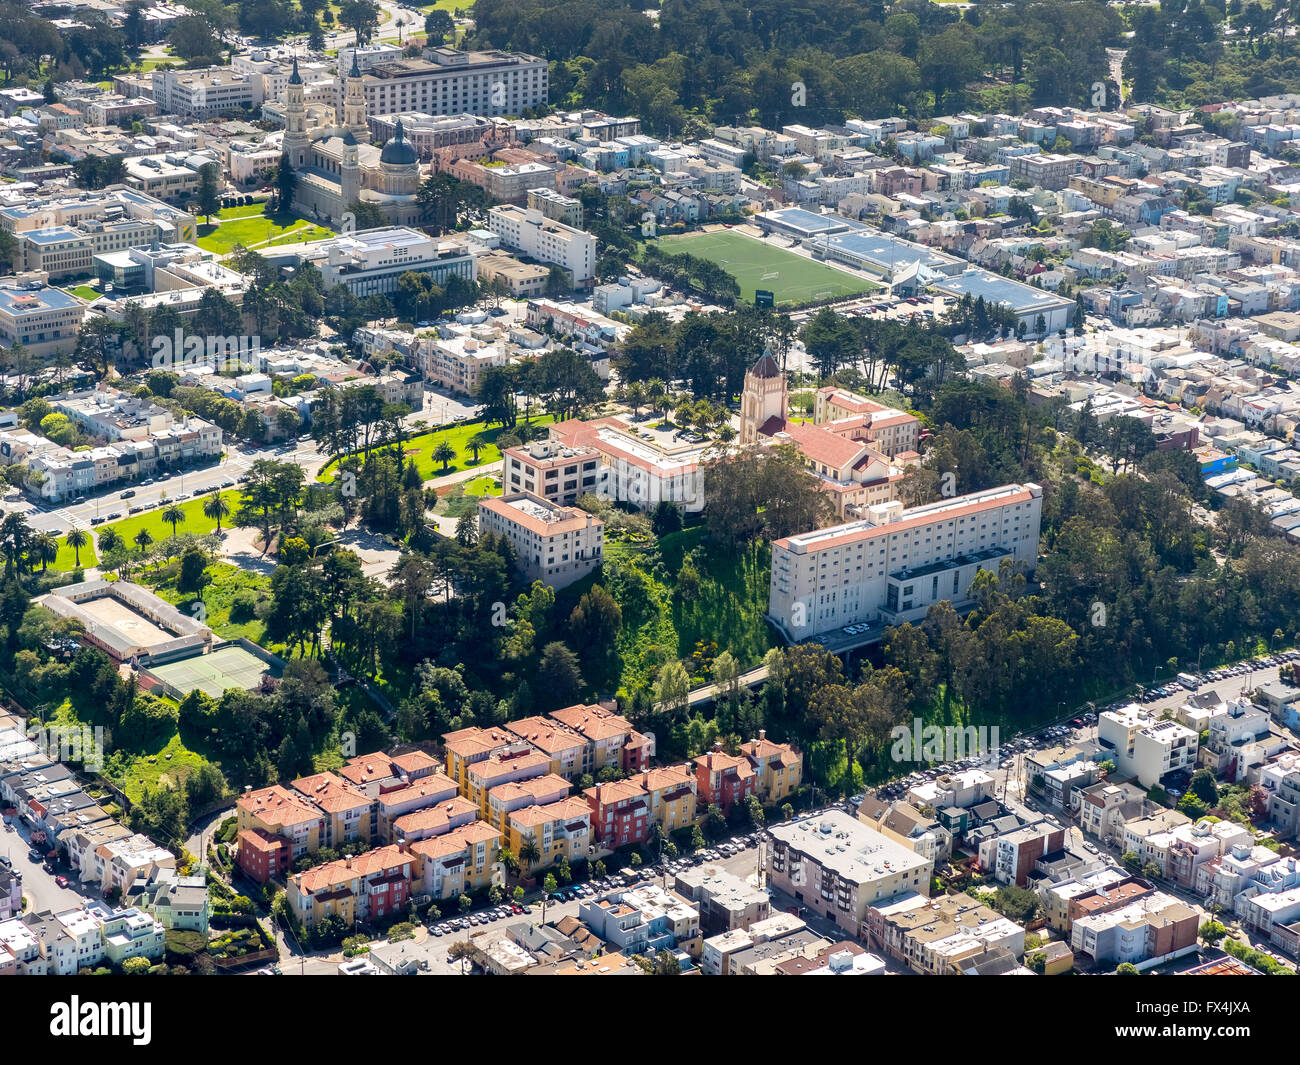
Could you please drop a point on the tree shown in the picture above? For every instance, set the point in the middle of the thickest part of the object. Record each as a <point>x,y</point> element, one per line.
<point>216,508</point>
<point>360,16</point>
<point>143,539</point>
<point>437,25</point>
<point>1211,932</point>
<point>174,515</point>
<point>77,539</point>
<point>45,548</point>
<point>286,182</point>
<point>476,443</point>
<point>461,950</point>
<point>207,197</point>
<point>529,853</point>
<point>444,453</point>
<point>1127,969</point>
<point>549,887</point>
<point>193,576</point>
<point>559,676</point>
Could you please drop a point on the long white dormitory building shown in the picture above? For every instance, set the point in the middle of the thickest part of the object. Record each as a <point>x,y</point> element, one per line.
<point>892,565</point>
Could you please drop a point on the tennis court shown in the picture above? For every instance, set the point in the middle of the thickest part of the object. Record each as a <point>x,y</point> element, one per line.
<point>226,667</point>
<point>755,264</point>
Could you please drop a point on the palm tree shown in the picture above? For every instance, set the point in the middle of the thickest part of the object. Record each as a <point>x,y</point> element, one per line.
<point>215,506</point>
<point>444,453</point>
<point>46,548</point>
<point>77,539</point>
<point>174,515</point>
<point>478,442</point>
<point>529,853</point>
<point>142,540</point>
<point>109,539</point>
<point>636,398</point>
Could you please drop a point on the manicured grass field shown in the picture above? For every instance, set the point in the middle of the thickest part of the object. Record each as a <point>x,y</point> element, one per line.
<point>255,228</point>
<point>84,292</point>
<point>482,486</point>
<point>196,522</point>
<point>756,265</point>
<point>67,559</point>
<point>421,449</point>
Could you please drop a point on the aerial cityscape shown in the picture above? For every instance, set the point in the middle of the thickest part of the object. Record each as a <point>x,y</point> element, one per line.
<point>506,487</point>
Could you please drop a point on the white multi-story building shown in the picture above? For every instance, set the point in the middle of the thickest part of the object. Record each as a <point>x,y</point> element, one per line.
<point>1143,746</point>
<point>546,240</point>
<point>554,544</point>
<point>451,82</point>
<point>207,92</point>
<point>894,564</point>
<point>371,261</point>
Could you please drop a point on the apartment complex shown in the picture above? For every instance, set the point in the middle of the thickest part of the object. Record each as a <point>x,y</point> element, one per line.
<point>540,237</point>
<point>839,868</point>
<point>554,544</point>
<point>894,564</point>
<point>1143,746</point>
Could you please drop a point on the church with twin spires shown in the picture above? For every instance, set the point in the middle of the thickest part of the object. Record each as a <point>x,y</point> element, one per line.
<point>337,165</point>
<point>855,447</point>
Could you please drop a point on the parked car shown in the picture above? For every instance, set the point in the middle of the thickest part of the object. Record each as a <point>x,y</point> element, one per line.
<point>62,881</point>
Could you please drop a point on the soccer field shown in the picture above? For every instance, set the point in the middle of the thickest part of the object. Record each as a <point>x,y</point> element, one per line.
<point>754,264</point>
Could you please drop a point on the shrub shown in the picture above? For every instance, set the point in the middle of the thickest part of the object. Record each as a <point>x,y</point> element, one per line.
<point>243,607</point>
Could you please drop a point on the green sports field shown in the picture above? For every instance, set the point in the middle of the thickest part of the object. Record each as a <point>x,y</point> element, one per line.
<point>754,264</point>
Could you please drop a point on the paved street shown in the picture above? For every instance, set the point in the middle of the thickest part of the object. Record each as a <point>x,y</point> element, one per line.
<point>39,888</point>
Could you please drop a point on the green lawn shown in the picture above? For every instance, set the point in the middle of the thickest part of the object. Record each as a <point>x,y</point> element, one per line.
<point>84,292</point>
<point>67,559</point>
<point>756,265</point>
<point>483,486</point>
<point>255,228</point>
<point>421,449</point>
<point>195,522</point>
<point>249,210</point>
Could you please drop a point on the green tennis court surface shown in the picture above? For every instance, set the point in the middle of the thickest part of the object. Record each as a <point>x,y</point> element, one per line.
<point>755,264</point>
<point>226,667</point>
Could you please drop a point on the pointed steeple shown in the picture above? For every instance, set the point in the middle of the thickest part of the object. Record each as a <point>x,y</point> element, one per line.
<point>355,72</point>
<point>295,78</point>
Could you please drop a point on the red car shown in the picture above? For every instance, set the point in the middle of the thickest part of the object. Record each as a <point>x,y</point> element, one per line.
<point>62,881</point>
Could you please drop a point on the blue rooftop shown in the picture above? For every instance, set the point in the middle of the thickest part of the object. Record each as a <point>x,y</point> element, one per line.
<point>806,221</point>
<point>1000,290</point>
<point>21,300</point>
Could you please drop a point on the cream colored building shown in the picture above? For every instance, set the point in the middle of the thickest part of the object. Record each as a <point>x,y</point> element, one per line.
<point>554,544</point>
<point>894,564</point>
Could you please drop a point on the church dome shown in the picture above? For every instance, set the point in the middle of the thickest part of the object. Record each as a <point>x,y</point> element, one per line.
<point>398,152</point>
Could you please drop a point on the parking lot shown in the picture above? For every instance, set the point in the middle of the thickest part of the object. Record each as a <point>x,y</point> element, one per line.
<point>738,854</point>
